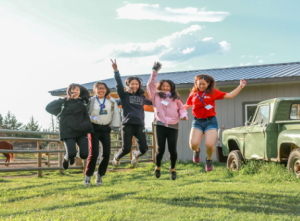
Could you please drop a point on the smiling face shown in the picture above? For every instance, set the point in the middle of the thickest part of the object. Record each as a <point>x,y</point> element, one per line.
<point>202,84</point>
<point>75,92</point>
<point>100,90</point>
<point>166,87</point>
<point>134,85</point>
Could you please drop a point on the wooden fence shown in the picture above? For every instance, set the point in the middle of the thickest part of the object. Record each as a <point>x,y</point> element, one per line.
<point>59,150</point>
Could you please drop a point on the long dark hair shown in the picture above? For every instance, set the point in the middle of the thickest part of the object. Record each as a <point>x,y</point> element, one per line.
<point>173,91</point>
<point>139,91</point>
<point>105,85</point>
<point>84,93</point>
<point>209,79</point>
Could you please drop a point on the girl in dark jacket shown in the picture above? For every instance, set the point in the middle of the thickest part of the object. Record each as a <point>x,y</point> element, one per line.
<point>74,122</point>
<point>133,125</point>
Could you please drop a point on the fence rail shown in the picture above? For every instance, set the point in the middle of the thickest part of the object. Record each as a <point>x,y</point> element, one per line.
<point>59,151</point>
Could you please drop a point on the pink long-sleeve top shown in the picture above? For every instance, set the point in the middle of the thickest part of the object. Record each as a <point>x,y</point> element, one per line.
<point>167,114</point>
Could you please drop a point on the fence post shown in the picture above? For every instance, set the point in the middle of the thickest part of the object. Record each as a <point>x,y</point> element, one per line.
<point>60,156</point>
<point>39,173</point>
<point>48,155</point>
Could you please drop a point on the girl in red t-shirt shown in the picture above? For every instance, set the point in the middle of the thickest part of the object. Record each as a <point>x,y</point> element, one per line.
<point>202,99</point>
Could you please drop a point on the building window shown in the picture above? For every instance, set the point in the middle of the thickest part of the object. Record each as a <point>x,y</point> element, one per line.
<point>295,112</point>
<point>249,111</point>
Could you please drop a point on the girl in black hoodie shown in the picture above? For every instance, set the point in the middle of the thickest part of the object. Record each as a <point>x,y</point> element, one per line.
<point>133,125</point>
<point>74,122</point>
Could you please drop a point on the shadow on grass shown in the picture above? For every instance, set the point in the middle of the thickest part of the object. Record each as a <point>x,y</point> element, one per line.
<point>111,197</point>
<point>239,201</point>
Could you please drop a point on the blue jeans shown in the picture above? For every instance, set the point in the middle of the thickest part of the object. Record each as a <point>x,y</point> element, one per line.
<point>205,124</point>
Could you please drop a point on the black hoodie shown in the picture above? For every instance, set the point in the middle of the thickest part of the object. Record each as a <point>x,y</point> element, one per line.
<point>132,104</point>
<point>74,120</point>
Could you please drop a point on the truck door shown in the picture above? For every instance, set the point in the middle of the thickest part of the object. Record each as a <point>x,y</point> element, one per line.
<point>255,139</point>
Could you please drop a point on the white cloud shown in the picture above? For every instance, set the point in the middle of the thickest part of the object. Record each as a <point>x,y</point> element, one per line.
<point>261,61</point>
<point>178,47</point>
<point>188,50</point>
<point>245,64</point>
<point>272,54</point>
<point>181,15</point>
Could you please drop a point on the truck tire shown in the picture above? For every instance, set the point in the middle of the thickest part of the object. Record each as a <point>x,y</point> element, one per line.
<point>293,164</point>
<point>234,160</point>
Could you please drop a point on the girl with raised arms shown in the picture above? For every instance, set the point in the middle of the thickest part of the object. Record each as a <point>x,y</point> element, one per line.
<point>168,108</point>
<point>133,125</point>
<point>202,98</point>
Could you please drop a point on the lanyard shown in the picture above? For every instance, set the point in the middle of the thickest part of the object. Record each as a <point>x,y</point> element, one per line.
<point>101,105</point>
<point>202,97</point>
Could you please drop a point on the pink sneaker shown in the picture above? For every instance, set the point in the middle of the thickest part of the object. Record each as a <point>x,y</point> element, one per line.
<point>208,166</point>
<point>196,156</point>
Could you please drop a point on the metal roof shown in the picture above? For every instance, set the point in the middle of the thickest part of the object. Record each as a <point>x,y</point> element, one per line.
<point>282,72</point>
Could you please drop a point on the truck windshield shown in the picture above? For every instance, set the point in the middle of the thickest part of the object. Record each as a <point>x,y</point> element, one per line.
<point>262,115</point>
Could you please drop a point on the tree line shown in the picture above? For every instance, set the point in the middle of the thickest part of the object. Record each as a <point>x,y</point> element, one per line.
<point>10,122</point>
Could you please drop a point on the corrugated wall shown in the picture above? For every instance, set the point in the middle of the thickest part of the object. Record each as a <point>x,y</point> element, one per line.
<point>230,112</point>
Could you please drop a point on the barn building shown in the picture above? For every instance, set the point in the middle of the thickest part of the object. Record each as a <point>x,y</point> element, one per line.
<point>263,82</point>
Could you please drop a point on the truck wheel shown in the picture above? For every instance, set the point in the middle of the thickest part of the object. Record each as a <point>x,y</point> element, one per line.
<point>293,164</point>
<point>234,160</point>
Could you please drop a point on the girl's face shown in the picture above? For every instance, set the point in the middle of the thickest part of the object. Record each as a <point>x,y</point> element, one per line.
<point>202,84</point>
<point>100,91</point>
<point>75,92</point>
<point>134,85</point>
<point>166,87</point>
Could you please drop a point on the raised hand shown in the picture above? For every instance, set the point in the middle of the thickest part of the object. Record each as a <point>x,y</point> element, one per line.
<point>185,118</point>
<point>156,66</point>
<point>114,65</point>
<point>242,83</point>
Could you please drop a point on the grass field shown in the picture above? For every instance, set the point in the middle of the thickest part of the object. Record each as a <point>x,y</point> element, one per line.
<point>260,191</point>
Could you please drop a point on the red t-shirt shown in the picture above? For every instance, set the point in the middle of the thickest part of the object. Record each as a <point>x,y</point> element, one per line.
<point>199,109</point>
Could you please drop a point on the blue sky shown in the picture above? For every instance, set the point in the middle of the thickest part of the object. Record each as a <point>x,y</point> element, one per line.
<point>45,45</point>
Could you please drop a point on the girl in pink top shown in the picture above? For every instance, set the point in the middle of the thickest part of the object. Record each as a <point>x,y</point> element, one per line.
<point>167,109</point>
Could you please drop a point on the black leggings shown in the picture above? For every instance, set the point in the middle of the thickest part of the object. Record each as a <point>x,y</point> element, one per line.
<point>104,137</point>
<point>83,144</point>
<point>163,134</point>
<point>128,131</point>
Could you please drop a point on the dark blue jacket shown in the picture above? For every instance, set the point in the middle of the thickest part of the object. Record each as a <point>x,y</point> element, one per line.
<point>132,104</point>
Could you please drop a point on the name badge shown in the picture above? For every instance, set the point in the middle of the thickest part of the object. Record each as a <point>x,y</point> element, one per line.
<point>94,117</point>
<point>208,107</point>
<point>103,112</point>
<point>165,102</point>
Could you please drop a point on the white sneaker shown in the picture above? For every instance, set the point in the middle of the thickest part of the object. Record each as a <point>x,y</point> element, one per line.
<point>115,162</point>
<point>87,180</point>
<point>135,159</point>
<point>98,180</point>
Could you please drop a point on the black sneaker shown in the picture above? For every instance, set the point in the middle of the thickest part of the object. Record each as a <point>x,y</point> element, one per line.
<point>157,173</point>
<point>173,175</point>
<point>72,161</point>
<point>65,164</point>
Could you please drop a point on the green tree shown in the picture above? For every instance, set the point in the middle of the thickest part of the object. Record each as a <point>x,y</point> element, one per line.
<point>53,125</point>
<point>11,123</point>
<point>32,125</point>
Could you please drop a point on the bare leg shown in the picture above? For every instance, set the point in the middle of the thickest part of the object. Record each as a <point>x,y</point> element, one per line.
<point>195,139</point>
<point>210,140</point>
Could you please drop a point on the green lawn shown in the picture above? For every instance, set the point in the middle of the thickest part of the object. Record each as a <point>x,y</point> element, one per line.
<point>266,193</point>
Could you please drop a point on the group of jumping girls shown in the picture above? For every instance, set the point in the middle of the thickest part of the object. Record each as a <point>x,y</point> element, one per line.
<point>88,121</point>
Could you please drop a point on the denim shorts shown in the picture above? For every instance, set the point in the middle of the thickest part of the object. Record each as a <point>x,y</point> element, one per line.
<point>205,125</point>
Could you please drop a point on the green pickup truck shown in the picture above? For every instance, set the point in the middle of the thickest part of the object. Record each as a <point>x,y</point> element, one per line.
<point>272,134</point>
